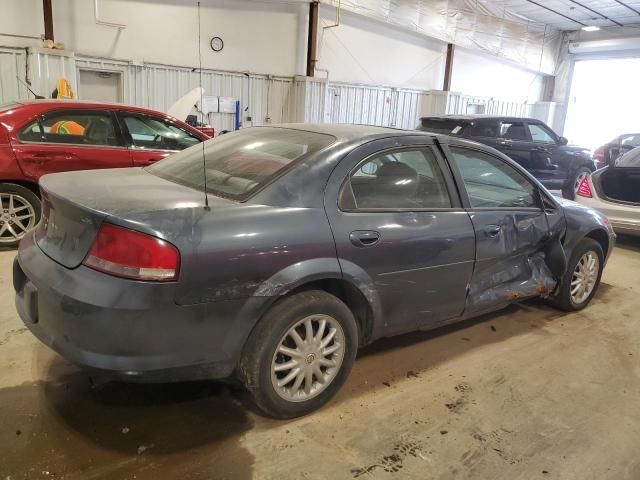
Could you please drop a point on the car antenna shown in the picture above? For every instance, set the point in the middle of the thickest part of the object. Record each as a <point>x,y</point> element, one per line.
<point>26,85</point>
<point>204,161</point>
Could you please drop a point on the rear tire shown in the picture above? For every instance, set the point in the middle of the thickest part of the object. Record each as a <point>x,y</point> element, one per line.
<point>20,213</point>
<point>571,298</point>
<point>569,191</point>
<point>279,382</point>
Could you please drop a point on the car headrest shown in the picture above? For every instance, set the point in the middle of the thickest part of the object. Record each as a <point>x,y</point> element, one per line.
<point>399,177</point>
<point>516,132</point>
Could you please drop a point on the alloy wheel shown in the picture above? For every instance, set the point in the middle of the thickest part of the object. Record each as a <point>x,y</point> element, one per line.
<point>308,358</point>
<point>584,277</point>
<point>17,217</point>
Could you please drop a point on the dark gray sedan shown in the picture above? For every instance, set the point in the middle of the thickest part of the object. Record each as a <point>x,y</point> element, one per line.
<point>312,241</point>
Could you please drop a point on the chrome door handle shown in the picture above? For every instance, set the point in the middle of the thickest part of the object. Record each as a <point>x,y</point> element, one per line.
<point>364,238</point>
<point>493,230</point>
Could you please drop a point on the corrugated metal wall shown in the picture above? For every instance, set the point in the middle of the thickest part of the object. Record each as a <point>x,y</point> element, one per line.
<point>371,105</point>
<point>264,99</point>
<point>12,66</point>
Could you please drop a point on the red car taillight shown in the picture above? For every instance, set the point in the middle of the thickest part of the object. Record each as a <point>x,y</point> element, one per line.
<point>584,189</point>
<point>126,253</point>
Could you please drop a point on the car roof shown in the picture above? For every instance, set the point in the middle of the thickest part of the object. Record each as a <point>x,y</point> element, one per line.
<point>72,102</point>
<point>469,118</point>
<point>349,132</point>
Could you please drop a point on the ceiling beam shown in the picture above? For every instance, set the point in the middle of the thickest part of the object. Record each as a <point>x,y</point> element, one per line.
<point>596,12</point>
<point>558,13</point>
<point>627,6</point>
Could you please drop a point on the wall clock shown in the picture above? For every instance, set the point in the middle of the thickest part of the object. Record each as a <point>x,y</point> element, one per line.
<point>217,44</point>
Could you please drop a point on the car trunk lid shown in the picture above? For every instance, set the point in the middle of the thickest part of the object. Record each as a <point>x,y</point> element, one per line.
<point>75,204</point>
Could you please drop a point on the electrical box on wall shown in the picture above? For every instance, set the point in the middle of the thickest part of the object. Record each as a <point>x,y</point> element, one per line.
<point>210,104</point>
<point>227,105</point>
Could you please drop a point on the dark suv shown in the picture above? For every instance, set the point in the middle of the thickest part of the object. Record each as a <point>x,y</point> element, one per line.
<point>529,142</point>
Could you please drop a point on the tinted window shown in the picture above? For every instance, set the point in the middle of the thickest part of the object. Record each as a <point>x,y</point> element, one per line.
<point>157,134</point>
<point>483,129</point>
<point>406,179</point>
<point>446,126</point>
<point>81,128</point>
<point>491,182</point>
<point>540,134</point>
<point>513,131</point>
<point>238,163</point>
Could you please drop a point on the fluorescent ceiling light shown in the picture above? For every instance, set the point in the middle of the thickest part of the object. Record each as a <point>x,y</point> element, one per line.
<point>590,28</point>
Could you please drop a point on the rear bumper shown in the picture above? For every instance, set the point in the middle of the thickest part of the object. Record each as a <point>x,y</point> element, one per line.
<point>128,328</point>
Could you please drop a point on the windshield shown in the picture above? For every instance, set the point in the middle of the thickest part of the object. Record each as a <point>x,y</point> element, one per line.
<point>447,126</point>
<point>630,159</point>
<point>239,163</point>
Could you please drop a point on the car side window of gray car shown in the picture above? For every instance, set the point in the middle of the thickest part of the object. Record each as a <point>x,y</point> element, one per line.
<point>406,179</point>
<point>491,182</point>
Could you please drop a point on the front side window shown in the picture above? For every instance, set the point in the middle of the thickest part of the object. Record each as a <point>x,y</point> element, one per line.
<point>490,182</point>
<point>513,131</point>
<point>78,128</point>
<point>408,179</point>
<point>539,134</point>
<point>239,163</point>
<point>157,134</point>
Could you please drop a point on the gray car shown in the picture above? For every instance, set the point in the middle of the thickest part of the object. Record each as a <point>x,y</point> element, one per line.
<point>311,241</point>
<point>615,191</point>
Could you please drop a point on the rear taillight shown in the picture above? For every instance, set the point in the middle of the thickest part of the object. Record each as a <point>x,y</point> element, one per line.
<point>126,253</point>
<point>584,189</point>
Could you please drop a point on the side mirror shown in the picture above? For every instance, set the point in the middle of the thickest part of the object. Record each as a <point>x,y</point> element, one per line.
<point>563,141</point>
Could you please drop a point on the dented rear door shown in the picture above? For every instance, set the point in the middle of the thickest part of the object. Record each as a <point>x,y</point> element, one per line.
<point>511,228</point>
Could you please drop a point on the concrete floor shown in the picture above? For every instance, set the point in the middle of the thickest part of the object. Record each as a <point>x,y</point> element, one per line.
<point>526,393</point>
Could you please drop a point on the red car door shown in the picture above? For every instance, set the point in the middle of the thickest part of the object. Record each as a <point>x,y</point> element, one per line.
<point>64,140</point>
<point>152,137</point>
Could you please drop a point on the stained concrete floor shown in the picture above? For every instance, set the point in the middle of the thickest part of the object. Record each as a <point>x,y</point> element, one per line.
<point>526,393</point>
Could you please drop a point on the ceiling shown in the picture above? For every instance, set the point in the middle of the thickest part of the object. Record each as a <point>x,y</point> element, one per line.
<point>566,14</point>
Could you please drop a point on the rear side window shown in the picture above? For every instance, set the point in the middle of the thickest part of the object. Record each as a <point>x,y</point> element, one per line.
<point>513,131</point>
<point>157,134</point>
<point>483,129</point>
<point>491,182</point>
<point>78,128</point>
<point>445,126</point>
<point>408,179</point>
<point>239,163</point>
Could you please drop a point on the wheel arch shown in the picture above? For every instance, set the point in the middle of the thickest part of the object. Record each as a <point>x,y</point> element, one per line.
<point>602,238</point>
<point>32,186</point>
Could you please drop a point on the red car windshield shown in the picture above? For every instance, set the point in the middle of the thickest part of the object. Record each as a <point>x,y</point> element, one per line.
<point>239,163</point>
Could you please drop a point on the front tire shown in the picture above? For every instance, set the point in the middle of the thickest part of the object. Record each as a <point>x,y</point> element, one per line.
<point>299,354</point>
<point>20,213</point>
<point>582,278</point>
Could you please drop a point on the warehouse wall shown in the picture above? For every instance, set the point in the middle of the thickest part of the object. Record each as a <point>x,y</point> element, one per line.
<point>475,73</point>
<point>362,50</point>
<point>258,36</point>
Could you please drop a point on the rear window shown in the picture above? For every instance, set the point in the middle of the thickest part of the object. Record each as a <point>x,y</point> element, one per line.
<point>446,126</point>
<point>239,163</point>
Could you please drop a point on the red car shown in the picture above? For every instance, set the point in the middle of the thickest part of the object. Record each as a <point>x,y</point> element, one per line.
<point>46,136</point>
